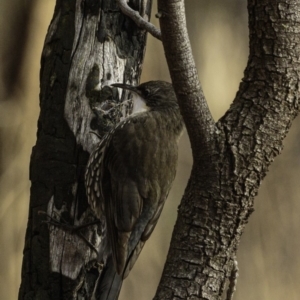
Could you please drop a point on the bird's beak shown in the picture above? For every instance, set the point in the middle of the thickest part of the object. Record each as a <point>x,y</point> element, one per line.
<point>126,87</point>
<point>139,103</point>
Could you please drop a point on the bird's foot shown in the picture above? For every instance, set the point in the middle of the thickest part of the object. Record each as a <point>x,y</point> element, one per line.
<point>71,228</point>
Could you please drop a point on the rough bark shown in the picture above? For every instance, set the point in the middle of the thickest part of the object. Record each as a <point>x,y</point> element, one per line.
<point>231,160</point>
<point>89,45</point>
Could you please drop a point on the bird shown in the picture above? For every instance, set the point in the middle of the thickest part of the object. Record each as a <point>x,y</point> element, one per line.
<point>129,176</point>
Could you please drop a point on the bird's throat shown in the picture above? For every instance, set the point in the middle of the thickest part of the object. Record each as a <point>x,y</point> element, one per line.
<point>139,104</point>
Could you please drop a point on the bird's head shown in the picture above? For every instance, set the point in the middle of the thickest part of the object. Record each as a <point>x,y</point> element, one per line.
<point>154,94</point>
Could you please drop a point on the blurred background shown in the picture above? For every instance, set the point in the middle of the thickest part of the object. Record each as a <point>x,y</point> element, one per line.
<point>268,255</point>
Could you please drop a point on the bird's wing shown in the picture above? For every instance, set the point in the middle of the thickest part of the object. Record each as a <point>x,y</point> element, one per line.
<point>126,212</point>
<point>145,235</point>
<point>134,182</point>
<point>122,198</point>
<point>112,195</point>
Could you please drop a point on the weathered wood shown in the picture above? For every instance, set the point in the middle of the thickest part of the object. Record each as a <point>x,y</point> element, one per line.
<point>89,45</point>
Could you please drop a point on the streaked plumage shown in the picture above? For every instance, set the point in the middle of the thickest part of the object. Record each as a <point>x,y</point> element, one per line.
<point>129,176</point>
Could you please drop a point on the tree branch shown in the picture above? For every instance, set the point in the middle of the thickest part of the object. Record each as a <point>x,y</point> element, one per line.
<point>138,19</point>
<point>268,97</point>
<point>198,119</point>
<point>219,197</point>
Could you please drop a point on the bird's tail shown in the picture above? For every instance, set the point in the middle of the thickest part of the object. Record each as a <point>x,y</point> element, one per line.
<point>110,283</point>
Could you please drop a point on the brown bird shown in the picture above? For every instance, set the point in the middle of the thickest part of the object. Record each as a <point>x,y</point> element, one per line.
<point>129,176</point>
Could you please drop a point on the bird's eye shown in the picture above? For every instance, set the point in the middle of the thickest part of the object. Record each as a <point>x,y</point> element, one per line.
<point>146,92</point>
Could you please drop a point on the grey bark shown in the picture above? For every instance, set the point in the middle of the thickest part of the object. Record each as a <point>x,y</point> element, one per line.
<point>231,160</point>
<point>89,45</point>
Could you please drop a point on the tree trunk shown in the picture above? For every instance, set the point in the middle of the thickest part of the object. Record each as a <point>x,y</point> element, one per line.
<point>232,156</point>
<point>89,45</point>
